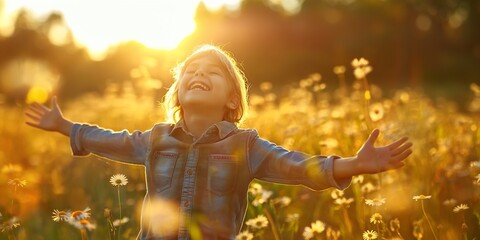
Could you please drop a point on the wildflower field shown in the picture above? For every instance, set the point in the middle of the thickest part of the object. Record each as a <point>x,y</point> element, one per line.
<point>48,194</point>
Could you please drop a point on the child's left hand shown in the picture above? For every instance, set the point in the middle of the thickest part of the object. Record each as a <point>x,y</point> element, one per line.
<point>371,159</point>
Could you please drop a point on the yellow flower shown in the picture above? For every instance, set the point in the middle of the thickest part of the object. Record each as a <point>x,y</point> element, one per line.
<point>460,207</point>
<point>118,180</point>
<point>343,201</point>
<point>367,188</point>
<point>368,235</point>
<point>477,180</point>
<point>475,89</point>
<point>375,202</point>
<point>255,189</point>
<point>244,235</point>
<point>421,197</point>
<point>333,234</point>
<point>17,182</point>
<point>60,215</point>
<point>362,62</point>
<point>262,198</point>
<point>293,217</point>
<point>316,77</point>
<point>339,69</point>
<point>11,169</point>
<point>316,227</point>
<point>308,233</point>
<point>418,231</point>
<point>395,225</point>
<point>282,201</point>
<point>9,225</point>
<point>361,72</point>
<point>318,87</point>
<point>376,112</point>
<point>83,224</point>
<point>81,214</point>
<point>450,202</point>
<point>336,193</point>
<point>119,222</point>
<point>257,223</point>
<point>376,218</point>
<point>266,86</point>
<point>357,179</point>
<point>305,83</point>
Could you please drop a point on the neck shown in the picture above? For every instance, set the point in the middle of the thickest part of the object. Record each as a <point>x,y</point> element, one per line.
<point>197,123</point>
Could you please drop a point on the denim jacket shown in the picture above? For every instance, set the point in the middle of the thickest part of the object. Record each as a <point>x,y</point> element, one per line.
<point>206,178</point>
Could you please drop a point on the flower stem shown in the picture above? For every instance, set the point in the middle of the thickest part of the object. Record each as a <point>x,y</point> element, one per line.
<point>348,223</point>
<point>111,231</point>
<point>11,205</point>
<point>120,209</point>
<point>11,235</point>
<point>83,234</point>
<point>272,223</point>
<point>428,220</point>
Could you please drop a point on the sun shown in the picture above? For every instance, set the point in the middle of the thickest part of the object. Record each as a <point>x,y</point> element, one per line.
<point>98,25</point>
<point>157,24</point>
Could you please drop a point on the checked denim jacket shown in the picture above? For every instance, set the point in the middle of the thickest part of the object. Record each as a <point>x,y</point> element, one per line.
<point>205,179</point>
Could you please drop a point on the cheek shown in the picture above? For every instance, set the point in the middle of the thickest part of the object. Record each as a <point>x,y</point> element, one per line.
<point>181,85</point>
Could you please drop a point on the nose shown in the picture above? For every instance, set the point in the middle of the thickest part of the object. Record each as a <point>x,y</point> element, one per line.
<point>199,72</point>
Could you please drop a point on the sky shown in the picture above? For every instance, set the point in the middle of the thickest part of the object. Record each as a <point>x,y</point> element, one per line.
<point>98,24</point>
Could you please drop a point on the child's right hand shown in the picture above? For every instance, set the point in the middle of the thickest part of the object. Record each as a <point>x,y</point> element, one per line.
<point>42,117</point>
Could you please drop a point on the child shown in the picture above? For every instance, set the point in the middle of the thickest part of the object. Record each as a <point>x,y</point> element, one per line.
<point>202,162</point>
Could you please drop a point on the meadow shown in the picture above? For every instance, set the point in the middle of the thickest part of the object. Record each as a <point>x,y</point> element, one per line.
<point>48,194</point>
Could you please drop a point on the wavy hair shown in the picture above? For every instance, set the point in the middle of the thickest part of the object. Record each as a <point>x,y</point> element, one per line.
<point>234,76</point>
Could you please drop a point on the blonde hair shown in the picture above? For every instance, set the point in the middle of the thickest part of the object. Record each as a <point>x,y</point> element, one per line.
<point>234,76</point>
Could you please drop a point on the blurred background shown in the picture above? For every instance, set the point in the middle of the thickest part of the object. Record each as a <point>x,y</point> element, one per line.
<point>109,63</point>
<point>81,47</point>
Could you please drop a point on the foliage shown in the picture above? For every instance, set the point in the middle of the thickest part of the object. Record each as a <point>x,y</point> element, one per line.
<point>38,174</point>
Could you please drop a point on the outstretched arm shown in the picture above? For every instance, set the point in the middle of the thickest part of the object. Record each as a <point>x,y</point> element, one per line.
<point>371,159</point>
<point>85,138</point>
<point>49,119</point>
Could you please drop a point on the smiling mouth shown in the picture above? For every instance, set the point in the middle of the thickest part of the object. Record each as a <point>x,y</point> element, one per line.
<point>198,86</point>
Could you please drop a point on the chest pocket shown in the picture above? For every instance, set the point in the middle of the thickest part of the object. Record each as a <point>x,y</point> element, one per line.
<point>162,169</point>
<point>222,173</point>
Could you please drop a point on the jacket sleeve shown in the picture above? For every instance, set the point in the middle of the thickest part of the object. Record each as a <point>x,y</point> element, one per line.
<point>273,163</point>
<point>120,146</point>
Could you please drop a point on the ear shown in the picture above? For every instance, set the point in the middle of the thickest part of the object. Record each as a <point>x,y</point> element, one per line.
<point>233,103</point>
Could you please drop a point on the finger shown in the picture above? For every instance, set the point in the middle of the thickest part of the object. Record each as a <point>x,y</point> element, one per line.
<point>373,137</point>
<point>39,106</point>
<point>401,149</point>
<point>397,143</point>
<point>35,110</point>
<point>33,124</point>
<point>401,156</point>
<point>53,101</point>
<point>33,117</point>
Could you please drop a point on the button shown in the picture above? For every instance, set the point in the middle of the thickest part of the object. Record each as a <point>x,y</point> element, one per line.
<point>189,172</point>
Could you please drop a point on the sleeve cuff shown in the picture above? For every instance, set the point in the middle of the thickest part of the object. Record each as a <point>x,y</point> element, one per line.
<point>341,183</point>
<point>75,140</point>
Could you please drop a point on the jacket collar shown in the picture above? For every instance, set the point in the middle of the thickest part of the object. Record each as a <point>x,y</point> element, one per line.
<point>223,128</point>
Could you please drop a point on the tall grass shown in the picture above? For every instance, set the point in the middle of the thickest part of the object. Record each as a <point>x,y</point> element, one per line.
<point>445,166</point>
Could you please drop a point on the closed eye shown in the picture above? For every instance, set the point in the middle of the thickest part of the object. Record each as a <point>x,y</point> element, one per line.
<point>190,70</point>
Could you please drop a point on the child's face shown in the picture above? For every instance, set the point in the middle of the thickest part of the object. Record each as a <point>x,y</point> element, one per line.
<point>204,85</point>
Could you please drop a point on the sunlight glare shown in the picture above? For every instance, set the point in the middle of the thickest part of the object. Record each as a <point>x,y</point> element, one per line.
<point>100,24</point>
